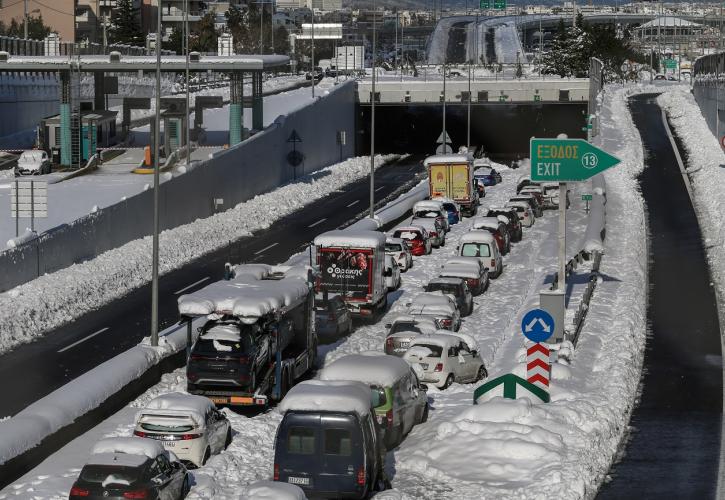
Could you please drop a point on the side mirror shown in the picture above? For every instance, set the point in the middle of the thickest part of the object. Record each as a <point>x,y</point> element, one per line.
<point>388,325</point>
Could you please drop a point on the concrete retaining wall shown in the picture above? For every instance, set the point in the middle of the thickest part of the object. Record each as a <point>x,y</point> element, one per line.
<point>25,100</point>
<point>255,166</point>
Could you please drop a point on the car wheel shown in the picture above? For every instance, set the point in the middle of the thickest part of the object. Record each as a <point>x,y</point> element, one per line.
<point>482,373</point>
<point>424,416</point>
<point>228,439</point>
<point>449,381</point>
<point>207,454</point>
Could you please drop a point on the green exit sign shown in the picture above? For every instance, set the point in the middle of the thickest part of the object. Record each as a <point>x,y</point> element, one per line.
<point>499,4</point>
<point>586,197</point>
<point>485,4</point>
<point>564,160</point>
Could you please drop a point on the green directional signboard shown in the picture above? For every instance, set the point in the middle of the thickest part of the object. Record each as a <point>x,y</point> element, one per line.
<point>671,63</point>
<point>567,160</point>
<point>499,4</point>
<point>484,4</point>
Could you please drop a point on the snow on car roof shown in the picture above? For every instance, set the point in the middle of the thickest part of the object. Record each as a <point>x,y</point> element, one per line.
<point>486,222</point>
<point>446,339</point>
<point>482,162</point>
<point>319,395</point>
<point>428,205</point>
<point>131,446</point>
<point>425,222</point>
<point>117,459</point>
<point>177,403</point>
<point>446,280</point>
<point>259,271</point>
<point>473,264</point>
<point>412,228</point>
<point>459,271</point>
<point>477,237</point>
<point>378,369</point>
<point>431,298</point>
<point>518,204</point>
<point>408,318</point>
<point>272,490</point>
<point>351,239</point>
<point>245,296</point>
<point>447,159</point>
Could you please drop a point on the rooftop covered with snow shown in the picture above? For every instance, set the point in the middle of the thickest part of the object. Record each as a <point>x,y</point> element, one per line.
<point>329,396</point>
<point>373,369</point>
<point>351,239</point>
<point>177,403</point>
<point>124,448</point>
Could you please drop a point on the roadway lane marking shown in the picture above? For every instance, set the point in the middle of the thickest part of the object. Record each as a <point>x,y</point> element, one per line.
<point>191,286</point>
<point>82,340</point>
<point>353,203</point>
<point>266,248</point>
<point>378,189</point>
<point>317,223</point>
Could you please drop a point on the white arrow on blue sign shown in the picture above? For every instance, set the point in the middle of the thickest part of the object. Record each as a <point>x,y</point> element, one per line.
<point>537,325</point>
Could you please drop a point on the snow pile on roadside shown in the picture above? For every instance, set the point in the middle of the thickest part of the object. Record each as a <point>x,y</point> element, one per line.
<point>707,176</point>
<point>30,310</point>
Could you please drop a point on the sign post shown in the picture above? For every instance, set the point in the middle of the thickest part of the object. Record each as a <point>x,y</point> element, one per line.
<point>537,325</point>
<point>586,198</point>
<point>28,199</point>
<point>562,161</point>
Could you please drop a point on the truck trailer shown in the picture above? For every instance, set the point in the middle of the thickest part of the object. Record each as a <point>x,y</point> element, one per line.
<point>451,176</point>
<point>259,336</point>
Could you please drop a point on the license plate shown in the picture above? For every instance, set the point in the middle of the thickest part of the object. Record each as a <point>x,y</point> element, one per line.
<point>169,444</point>
<point>219,401</point>
<point>299,480</point>
<point>424,366</point>
<point>403,345</point>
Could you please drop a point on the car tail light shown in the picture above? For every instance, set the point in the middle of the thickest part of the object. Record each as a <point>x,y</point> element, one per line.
<point>276,472</point>
<point>493,262</point>
<point>75,491</point>
<point>389,345</point>
<point>446,322</point>
<point>473,283</point>
<point>433,234</point>
<point>193,377</point>
<point>187,437</point>
<point>139,434</point>
<point>361,476</point>
<point>365,312</point>
<point>389,418</point>
<point>438,368</point>
<point>402,255</point>
<point>136,494</point>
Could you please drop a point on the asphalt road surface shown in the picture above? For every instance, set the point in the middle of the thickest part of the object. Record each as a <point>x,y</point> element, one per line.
<point>674,447</point>
<point>34,370</point>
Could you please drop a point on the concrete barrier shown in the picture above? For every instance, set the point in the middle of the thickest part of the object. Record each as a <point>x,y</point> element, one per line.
<point>235,175</point>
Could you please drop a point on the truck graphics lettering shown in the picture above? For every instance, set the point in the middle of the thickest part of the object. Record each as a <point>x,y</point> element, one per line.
<point>344,270</point>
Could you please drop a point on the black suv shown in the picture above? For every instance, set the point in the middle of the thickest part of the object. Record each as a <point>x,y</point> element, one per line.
<point>228,355</point>
<point>514,226</point>
<point>458,288</point>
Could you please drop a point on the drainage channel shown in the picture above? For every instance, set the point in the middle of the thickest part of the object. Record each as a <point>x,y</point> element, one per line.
<point>673,449</point>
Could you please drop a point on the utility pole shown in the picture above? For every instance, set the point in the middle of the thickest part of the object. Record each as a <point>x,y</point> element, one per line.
<point>157,152</point>
<point>312,69</point>
<point>188,102</point>
<point>25,18</point>
<point>261,26</point>
<point>372,123</point>
<point>468,137</point>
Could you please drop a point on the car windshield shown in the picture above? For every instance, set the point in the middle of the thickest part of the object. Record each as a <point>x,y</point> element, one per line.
<point>435,350</point>
<point>454,290</point>
<point>393,247</point>
<point>475,250</point>
<point>427,214</point>
<point>111,474</point>
<point>404,327</point>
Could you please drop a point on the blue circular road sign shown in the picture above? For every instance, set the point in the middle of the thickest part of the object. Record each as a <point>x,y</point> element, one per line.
<point>537,325</point>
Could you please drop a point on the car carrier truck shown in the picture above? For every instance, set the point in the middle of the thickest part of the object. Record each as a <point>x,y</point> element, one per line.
<point>259,337</point>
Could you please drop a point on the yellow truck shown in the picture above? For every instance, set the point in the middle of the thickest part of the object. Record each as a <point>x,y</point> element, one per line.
<point>451,176</point>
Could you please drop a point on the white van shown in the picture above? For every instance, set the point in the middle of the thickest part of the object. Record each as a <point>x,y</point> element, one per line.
<point>483,246</point>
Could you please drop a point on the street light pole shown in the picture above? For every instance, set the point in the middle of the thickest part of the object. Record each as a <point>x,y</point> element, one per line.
<point>186,52</point>
<point>372,124</point>
<point>468,137</point>
<point>261,26</point>
<point>157,149</point>
<point>312,69</point>
<point>25,18</point>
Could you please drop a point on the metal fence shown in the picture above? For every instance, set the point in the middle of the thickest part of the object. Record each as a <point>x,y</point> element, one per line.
<point>708,87</point>
<point>22,47</point>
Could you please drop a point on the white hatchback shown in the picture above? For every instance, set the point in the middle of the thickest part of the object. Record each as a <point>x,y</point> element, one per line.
<point>190,426</point>
<point>442,359</point>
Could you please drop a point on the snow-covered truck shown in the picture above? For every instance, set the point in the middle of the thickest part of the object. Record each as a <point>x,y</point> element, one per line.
<point>259,337</point>
<point>352,266</point>
<point>451,176</point>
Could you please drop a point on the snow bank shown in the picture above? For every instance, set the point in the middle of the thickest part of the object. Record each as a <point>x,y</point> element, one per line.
<point>32,309</point>
<point>85,393</point>
<point>317,395</point>
<point>270,490</point>
<point>593,237</point>
<point>28,235</point>
<point>378,369</point>
<point>707,177</point>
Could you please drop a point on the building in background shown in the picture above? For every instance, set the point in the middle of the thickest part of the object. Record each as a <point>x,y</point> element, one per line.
<point>172,14</point>
<point>58,14</point>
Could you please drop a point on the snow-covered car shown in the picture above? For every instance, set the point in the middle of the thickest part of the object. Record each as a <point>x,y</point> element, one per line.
<point>452,210</point>
<point>509,217</point>
<point>537,192</point>
<point>486,175</point>
<point>399,250</point>
<point>432,209</point>
<point>551,195</point>
<point>471,270</point>
<point>446,358</point>
<point>400,400</point>
<point>482,245</point>
<point>417,238</point>
<point>523,210</point>
<point>403,328</point>
<point>434,227</point>
<point>130,467</point>
<point>525,180</point>
<point>332,318</point>
<point>189,426</point>
<point>660,76</point>
<point>456,288</point>
<point>391,273</point>
<point>33,162</point>
<point>533,202</point>
<point>497,228</point>
<point>439,306</point>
